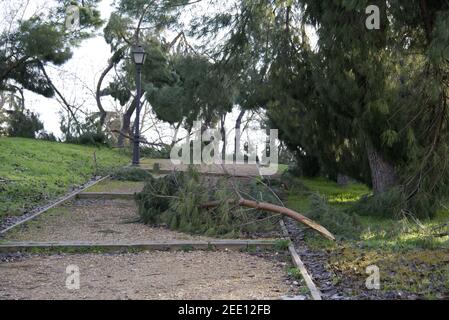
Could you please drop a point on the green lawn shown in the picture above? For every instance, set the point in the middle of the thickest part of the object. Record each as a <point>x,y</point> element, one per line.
<point>410,257</point>
<point>34,171</point>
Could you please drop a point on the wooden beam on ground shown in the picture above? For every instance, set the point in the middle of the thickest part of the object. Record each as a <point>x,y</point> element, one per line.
<point>316,295</point>
<point>105,195</point>
<point>166,245</point>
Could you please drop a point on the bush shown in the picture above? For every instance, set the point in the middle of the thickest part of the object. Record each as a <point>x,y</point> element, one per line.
<point>23,123</point>
<point>393,204</point>
<point>131,174</point>
<point>92,139</point>
<point>292,183</point>
<point>156,153</point>
<point>47,136</point>
<point>341,223</point>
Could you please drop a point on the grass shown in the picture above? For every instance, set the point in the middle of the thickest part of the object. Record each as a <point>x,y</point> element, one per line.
<point>33,171</point>
<point>117,186</point>
<point>410,258</point>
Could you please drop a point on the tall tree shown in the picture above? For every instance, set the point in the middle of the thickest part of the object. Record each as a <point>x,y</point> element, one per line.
<point>363,100</point>
<point>27,46</point>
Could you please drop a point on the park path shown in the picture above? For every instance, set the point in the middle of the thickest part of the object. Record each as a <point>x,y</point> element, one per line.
<point>129,273</point>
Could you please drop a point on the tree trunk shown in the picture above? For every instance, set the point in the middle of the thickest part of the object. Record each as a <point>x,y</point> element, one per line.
<point>238,124</point>
<point>383,173</point>
<point>175,136</point>
<point>114,60</point>
<point>126,123</point>
<point>223,136</point>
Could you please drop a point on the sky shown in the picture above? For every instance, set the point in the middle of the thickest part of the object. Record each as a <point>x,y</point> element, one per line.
<point>77,79</point>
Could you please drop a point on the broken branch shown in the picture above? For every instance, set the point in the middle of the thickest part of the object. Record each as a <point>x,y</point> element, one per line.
<point>264,206</point>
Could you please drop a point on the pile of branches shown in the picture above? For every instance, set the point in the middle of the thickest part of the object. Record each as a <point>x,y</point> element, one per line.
<point>214,206</point>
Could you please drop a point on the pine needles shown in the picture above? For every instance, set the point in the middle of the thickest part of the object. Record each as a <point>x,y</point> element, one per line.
<point>175,202</point>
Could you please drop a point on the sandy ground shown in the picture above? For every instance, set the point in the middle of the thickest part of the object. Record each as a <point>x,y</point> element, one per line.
<point>148,275</point>
<point>92,220</point>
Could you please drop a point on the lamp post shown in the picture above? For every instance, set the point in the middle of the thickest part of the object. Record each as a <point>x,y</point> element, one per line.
<point>139,56</point>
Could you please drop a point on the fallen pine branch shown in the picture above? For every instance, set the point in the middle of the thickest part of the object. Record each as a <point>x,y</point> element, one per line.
<point>264,206</point>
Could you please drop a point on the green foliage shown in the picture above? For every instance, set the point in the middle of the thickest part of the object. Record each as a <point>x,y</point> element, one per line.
<point>155,197</point>
<point>23,123</point>
<point>282,245</point>
<point>393,204</point>
<point>131,174</point>
<point>375,228</point>
<point>198,90</point>
<point>355,92</point>
<point>33,171</point>
<point>175,201</point>
<point>162,152</point>
<point>337,221</point>
<point>29,44</point>
<point>83,131</point>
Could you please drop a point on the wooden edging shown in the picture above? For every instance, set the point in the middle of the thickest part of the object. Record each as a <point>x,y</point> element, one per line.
<point>57,203</point>
<point>316,295</point>
<point>74,246</point>
<point>105,195</point>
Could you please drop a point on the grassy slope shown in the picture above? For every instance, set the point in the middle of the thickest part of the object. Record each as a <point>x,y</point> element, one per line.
<point>33,171</point>
<point>409,260</point>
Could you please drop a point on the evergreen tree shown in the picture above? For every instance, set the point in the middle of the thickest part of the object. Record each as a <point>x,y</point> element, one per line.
<point>368,103</point>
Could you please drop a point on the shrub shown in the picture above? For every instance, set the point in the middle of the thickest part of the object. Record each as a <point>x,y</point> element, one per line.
<point>162,152</point>
<point>392,204</point>
<point>131,174</point>
<point>341,223</point>
<point>23,123</point>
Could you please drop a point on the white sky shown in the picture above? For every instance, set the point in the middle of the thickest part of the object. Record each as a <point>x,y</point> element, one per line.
<point>84,69</point>
<point>77,79</point>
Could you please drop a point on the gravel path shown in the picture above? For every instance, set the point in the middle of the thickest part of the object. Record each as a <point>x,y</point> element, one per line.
<point>92,220</point>
<point>148,275</point>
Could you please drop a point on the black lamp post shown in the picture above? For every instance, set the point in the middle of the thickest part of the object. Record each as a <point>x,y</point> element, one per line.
<point>139,56</point>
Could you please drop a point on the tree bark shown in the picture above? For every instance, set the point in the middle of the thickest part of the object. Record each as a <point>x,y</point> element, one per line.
<point>126,123</point>
<point>238,124</point>
<point>383,174</point>
<point>264,206</point>
<point>223,136</point>
<point>116,57</point>
<point>175,136</point>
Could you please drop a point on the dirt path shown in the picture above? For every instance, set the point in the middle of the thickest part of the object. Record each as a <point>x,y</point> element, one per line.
<point>92,220</point>
<point>154,275</point>
<point>142,275</point>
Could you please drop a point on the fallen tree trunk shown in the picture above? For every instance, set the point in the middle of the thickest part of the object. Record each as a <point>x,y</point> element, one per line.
<point>264,206</point>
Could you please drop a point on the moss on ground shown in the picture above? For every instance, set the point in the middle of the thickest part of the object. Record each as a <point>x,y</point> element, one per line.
<point>413,256</point>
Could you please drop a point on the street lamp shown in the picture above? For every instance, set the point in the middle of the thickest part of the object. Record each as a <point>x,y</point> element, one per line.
<point>139,56</point>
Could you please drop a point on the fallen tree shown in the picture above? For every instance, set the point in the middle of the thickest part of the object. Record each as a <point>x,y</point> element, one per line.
<point>264,206</point>
<point>215,206</point>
